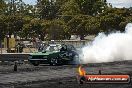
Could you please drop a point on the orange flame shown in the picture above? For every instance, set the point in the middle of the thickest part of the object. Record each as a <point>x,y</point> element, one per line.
<point>81,70</point>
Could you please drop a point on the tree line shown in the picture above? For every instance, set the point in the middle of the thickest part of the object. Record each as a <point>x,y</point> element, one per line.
<point>59,19</point>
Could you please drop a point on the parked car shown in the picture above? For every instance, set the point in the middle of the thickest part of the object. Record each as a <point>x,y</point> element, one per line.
<point>55,54</point>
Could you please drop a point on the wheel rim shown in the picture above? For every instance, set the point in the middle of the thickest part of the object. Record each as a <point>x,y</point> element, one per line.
<point>54,61</point>
<point>36,63</point>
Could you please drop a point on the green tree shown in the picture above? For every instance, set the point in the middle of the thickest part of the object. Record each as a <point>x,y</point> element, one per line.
<point>92,7</point>
<point>123,24</point>
<point>68,10</point>
<point>47,9</point>
<point>83,25</point>
<point>32,28</point>
<point>14,24</point>
<point>58,30</point>
<point>2,6</point>
<point>26,26</point>
<point>114,19</point>
<point>3,26</point>
<point>92,25</point>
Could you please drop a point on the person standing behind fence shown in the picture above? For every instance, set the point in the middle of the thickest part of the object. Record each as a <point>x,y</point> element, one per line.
<point>19,48</point>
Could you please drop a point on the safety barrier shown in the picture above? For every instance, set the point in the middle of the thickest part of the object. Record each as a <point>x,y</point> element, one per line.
<point>12,57</point>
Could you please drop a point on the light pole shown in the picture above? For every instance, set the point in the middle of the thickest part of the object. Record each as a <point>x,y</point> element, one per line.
<point>1,44</point>
<point>7,40</point>
<point>1,41</point>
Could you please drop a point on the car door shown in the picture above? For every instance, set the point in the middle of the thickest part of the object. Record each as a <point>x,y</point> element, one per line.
<point>64,54</point>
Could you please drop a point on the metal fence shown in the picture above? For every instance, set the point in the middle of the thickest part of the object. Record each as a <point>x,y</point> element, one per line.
<point>30,47</point>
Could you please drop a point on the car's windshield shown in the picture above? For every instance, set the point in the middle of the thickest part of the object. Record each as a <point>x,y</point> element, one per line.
<point>53,48</point>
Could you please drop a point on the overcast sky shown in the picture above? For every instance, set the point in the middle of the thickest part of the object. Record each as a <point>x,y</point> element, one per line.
<point>30,1</point>
<point>115,3</point>
<point>120,3</point>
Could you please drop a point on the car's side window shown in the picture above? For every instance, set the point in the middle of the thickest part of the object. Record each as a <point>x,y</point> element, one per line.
<point>70,47</point>
<point>64,48</point>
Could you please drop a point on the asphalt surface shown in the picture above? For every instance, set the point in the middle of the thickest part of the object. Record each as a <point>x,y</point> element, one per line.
<point>44,76</point>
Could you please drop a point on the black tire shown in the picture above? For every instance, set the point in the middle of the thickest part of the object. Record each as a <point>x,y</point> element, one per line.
<point>36,63</point>
<point>54,61</point>
<point>75,60</point>
<point>82,80</point>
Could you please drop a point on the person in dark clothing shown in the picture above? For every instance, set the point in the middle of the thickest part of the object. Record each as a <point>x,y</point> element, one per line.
<point>19,48</point>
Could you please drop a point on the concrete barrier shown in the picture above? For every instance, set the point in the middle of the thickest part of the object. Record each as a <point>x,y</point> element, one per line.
<point>14,57</point>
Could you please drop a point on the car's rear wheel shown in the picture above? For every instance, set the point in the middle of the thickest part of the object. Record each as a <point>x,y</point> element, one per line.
<point>75,60</point>
<point>36,63</point>
<point>54,61</point>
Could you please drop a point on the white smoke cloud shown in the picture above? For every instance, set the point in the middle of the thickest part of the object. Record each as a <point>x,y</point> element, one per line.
<point>107,48</point>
